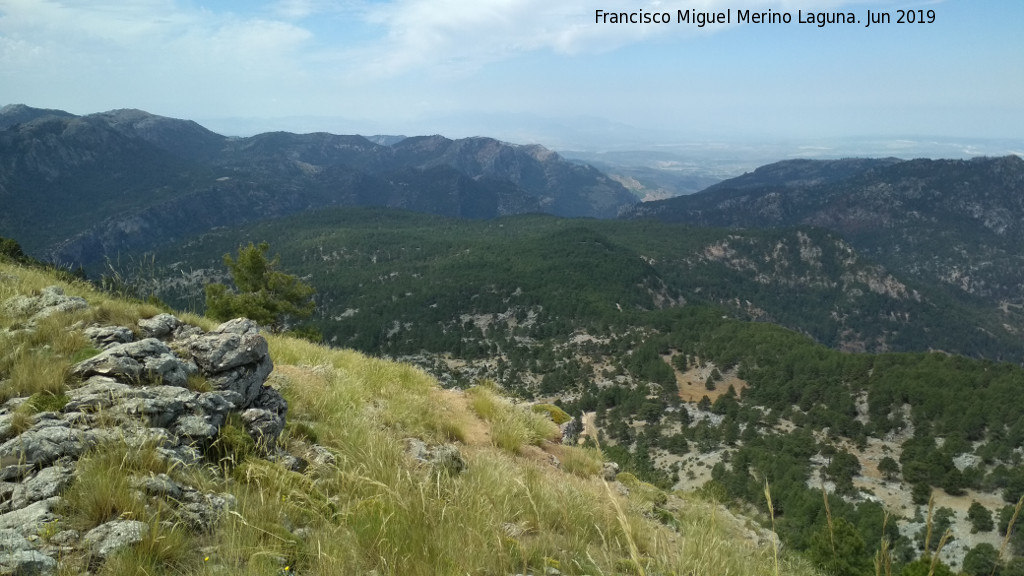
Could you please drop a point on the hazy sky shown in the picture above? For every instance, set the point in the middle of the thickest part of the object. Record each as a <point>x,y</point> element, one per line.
<point>501,67</point>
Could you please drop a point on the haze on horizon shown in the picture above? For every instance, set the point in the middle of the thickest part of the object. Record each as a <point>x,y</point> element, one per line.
<point>524,70</point>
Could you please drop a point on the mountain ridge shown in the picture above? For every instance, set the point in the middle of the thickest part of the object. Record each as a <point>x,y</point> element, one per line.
<point>110,176</point>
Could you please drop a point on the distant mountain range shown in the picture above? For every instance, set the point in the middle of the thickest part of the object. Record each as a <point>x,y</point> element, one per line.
<point>958,224</point>
<point>79,188</point>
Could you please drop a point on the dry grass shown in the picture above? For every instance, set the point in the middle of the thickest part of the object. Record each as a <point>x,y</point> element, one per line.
<point>376,510</point>
<point>102,491</point>
<point>511,427</point>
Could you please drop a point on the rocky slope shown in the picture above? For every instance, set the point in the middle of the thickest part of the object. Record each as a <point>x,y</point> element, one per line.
<point>136,391</point>
<point>127,180</point>
<point>137,442</point>
<point>950,223</point>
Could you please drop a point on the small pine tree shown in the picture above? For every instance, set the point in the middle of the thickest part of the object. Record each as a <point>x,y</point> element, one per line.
<point>980,517</point>
<point>265,294</point>
<point>889,468</point>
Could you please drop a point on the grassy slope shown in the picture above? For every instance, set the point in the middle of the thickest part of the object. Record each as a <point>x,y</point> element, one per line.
<point>376,510</point>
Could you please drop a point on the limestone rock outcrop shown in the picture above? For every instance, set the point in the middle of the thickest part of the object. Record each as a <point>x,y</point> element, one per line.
<point>165,385</point>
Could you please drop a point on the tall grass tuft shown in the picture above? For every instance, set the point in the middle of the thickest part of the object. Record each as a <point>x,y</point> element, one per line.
<point>511,427</point>
<point>1009,529</point>
<point>102,488</point>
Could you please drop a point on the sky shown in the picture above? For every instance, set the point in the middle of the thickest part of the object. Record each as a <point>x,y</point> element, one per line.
<point>525,70</point>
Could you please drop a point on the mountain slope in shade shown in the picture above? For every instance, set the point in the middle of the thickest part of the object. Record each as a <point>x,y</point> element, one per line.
<point>79,188</point>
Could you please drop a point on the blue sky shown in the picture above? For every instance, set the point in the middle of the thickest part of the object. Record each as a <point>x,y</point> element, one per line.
<point>523,69</point>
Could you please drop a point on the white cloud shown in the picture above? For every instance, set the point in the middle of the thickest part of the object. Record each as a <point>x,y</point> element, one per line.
<point>141,53</point>
<point>468,33</point>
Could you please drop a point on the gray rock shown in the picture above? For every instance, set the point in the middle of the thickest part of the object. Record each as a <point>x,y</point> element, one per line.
<point>187,332</point>
<point>265,420</point>
<point>47,483</point>
<point>159,326</point>
<point>66,538</point>
<point>264,427</point>
<point>417,449</point>
<point>6,429</point>
<point>146,361</point>
<point>160,485</point>
<point>246,381</point>
<point>43,444</point>
<point>31,519</point>
<point>51,301</point>
<point>235,358</point>
<point>108,538</point>
<point>11,540</point>
<point>96,393</point>
<point>158,405</point>
<point>26,563</point>
<point>240,326</point>
<point>106,336</point>
<point>180,455</point>
<point>195,427</point>
<point>447,458</point>
<point>219,402</point>
<point>201,511</point>
<point>322,456</point>
<point>219,351</point>
<point>610,471</point>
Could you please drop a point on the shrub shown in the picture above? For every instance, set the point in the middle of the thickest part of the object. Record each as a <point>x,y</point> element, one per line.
<point>265,294</point>
<point>980,517</point>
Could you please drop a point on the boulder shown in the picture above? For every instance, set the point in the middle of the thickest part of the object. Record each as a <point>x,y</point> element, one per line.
<point>43,444</point>
<point>147,361</point>
<point>158,406</point>
<point>96,393</point>
<point>265,420</point>
<point>610,471</point>
<point>234,357</point>
<point>30,520</point>
<point>51,300</point>
<point>19,558</point>
<point>160,326</point>
<point>104,337</point>
<point>160,485</point>
<point>201,511</point>
<point>48,483</point>
<point>108,538</point>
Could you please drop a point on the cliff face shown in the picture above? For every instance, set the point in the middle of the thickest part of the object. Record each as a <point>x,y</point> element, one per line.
<point>79,188</point>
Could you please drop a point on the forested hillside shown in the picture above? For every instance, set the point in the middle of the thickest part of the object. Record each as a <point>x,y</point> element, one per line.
<point>76,189</point>
<point>643,333</point>
<point>400,283</point>
<point>955,224</point>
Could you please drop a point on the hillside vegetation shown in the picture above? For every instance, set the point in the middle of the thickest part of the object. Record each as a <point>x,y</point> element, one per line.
<point>396,282</point>
<point>954,224</point>
<point>377,469</point>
